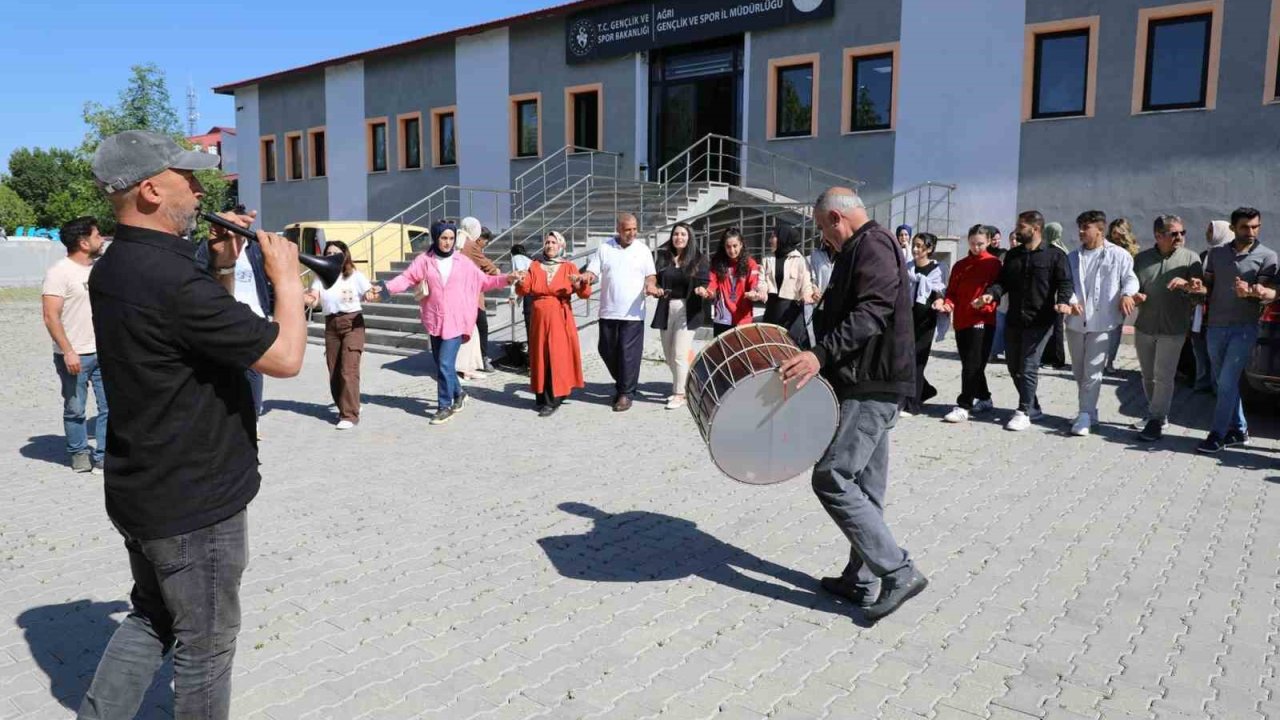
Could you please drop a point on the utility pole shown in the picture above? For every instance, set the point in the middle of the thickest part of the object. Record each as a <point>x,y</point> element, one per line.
<point>193,115</point>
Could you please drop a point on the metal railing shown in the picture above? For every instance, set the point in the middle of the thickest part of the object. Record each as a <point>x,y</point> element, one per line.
<point>382,245</point>
<point>925,207</point>
<point>723,159</point>
<point>556,173</point>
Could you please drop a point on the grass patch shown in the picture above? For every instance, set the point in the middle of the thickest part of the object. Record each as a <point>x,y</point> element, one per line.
<point>19,294</point>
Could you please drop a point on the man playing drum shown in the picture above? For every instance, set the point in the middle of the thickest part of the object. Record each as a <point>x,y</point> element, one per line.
<point>866,350</point>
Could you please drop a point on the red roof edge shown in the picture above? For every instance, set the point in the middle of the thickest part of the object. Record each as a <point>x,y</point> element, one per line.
<point>553,11</point>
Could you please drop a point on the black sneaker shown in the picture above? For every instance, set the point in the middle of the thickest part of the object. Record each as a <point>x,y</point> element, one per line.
<point>859,595</point>
<point>1212,445</point>
<point>1152,432</point>
<point>896,590</point>
<point>547,410</point>
<point>1235,438</point>
<point>459,401</point>
<point>443,416</point>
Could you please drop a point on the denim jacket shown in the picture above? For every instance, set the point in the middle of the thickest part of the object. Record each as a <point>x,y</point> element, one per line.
<point>1101,301</point>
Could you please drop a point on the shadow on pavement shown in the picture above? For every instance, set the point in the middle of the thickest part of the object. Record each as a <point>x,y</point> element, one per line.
<point>67,641</point>
<point>639,546</point>
<point>49,448</point>
<point>318,411</point>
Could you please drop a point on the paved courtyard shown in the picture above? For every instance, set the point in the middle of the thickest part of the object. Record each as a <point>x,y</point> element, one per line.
<point>597,565</point>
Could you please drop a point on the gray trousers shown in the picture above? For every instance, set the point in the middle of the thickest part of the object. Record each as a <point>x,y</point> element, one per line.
<point>186,598</point>
<point>850,480</point>
<point>1158,356</point>
<point>1088,360</point>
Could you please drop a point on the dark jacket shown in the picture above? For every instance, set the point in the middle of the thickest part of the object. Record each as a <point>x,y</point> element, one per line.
<point>266,293</point>
<point>1035,281</point>
<point>866,342</point>
<point>680,284</point>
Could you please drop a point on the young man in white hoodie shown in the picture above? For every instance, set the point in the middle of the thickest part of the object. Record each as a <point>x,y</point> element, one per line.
<point>1103,285</point>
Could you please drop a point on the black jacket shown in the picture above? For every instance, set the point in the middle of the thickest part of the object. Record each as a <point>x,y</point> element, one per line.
<point>680,284</point>
<point>1035,281</point>
<point>866,343</point>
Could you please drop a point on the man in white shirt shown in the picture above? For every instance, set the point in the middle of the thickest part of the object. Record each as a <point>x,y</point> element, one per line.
<point>627,274</point>
<point>69,319</point>
<point>253,289</point>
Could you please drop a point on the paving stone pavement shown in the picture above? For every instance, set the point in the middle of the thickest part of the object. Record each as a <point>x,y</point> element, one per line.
<point>595,565</point>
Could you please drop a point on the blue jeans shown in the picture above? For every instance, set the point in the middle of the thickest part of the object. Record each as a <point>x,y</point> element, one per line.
<point>75,398</point>
<point>1229,350</point>
<point>445,353</point>
<point>186,598</point>
<point>997,345</point>
<point>255,385</point>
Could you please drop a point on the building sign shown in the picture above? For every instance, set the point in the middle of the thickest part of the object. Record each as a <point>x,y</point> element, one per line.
<point>634,27</point>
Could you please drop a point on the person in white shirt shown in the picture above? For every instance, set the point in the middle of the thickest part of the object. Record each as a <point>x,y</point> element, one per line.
<point>343,332</point>
<point>627,274</point>
<point>64,298</point>
<point>1103,285</point>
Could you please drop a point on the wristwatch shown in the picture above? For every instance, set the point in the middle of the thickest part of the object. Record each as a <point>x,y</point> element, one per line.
<point>224,271</point>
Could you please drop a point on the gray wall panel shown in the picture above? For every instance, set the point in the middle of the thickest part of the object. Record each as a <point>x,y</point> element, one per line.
<point>1197,164</point>
<point>410,82</point>
<point>867,157</point>
<point>291,105</point>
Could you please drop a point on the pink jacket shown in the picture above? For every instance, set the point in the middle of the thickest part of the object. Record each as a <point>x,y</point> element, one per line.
<point>449,310</point>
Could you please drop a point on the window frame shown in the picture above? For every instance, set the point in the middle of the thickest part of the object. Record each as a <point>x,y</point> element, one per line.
<point>570,114</point>
<point>1030,64</point>
<point>1143,48</point>
<point>776,65</point>
<point>267,153</point>
<point>1271,86</point>
<point>514,108</point>
<point>289,158</point>
<point>369,125</point>
<point>437,147</point>
<point>402,146</point>
<point>850,57</point>
<point>313,157</point>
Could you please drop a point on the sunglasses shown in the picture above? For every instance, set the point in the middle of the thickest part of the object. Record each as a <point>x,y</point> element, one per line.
<point>1179,233</point>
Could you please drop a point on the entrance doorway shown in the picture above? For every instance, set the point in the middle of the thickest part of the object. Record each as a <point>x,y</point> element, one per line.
<point>693,91</point>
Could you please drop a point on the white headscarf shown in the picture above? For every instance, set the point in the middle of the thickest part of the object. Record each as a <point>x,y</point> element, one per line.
<point>1220,233</point>
<point>471,226</point>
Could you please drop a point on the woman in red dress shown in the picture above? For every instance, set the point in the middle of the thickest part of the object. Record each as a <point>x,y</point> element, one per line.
<point>555,358</point>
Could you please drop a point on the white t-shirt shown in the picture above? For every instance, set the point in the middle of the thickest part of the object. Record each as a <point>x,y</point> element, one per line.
<point>1090,263</point>
<point>344,296</point>
<point>445,266</point>
<point>622,272</point>
<point>246,287</point>
<point>69,280</point>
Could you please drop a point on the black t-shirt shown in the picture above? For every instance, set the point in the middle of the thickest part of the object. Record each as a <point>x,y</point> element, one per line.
<point>173,346</point>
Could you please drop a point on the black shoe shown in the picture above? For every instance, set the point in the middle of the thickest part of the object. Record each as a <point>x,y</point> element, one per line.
<point>896,590</point>
<point>859,595</point>
<point>547,410</point>
<point>1235,438</point>
<point>488,366</point>
<point>82,462</point>
<point>443,416</point>
<point>1152,432</point>
<point>459,401</point>
<point>622,404</point>
<point>1212,445</point>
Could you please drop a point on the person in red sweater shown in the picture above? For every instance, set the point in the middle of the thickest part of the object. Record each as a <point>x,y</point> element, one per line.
<point>732,288</point>
<point>975,327</point>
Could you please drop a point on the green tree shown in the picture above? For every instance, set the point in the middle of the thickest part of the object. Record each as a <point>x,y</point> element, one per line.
<point>80,198</point>
<point>866,113</point>
<point>14,211</point>
<point>36,175</point>
<point>143,104</point>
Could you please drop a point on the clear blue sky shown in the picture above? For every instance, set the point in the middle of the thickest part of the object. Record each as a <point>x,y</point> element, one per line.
<point>55,56</point>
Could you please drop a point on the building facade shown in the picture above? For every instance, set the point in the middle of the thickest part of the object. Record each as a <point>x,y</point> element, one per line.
<point>1134,107</point>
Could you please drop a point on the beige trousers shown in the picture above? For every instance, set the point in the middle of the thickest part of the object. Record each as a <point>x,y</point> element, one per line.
<point>677,346</point>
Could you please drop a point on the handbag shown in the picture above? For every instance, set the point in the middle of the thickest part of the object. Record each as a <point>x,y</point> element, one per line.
<point>421,291</point>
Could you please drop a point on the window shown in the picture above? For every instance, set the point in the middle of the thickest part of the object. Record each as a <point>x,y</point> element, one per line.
<point>316,152</point>
<point>1271,90</point>
<point>267,157</point>
<point>444,145</point>
<point>1176,59</point>
<point>526,134</point>
<point>870,88</point>
<point>584,126</point>
<point>409,138</point>
<point>377,140</point>
<point>793,97</point>
<point>1060,69</point>
<point>293,155</point>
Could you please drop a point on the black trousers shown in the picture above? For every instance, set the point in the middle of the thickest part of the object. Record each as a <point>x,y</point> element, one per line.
<point>974,346</point>
<point>1055,353</point>
<point>1024,346</point>
<point>547,396</point>
<point>621,347</point>
<point>482,327</point>
<point>926,325</point>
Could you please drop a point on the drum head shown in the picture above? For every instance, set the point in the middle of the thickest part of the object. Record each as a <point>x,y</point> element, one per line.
<point>759,439</point>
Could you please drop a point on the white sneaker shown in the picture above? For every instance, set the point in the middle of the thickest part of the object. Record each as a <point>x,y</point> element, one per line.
<point>904,413</point>
<point>957,415</point>
<point>1082,424</point>
<point>675,402</point>
<point>344,425</point>
<point>1018,422</point>
<point>1140,423</point>
<point>982,406</point>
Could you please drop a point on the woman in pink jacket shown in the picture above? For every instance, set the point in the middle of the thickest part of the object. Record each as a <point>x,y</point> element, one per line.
<point>449,308</point>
